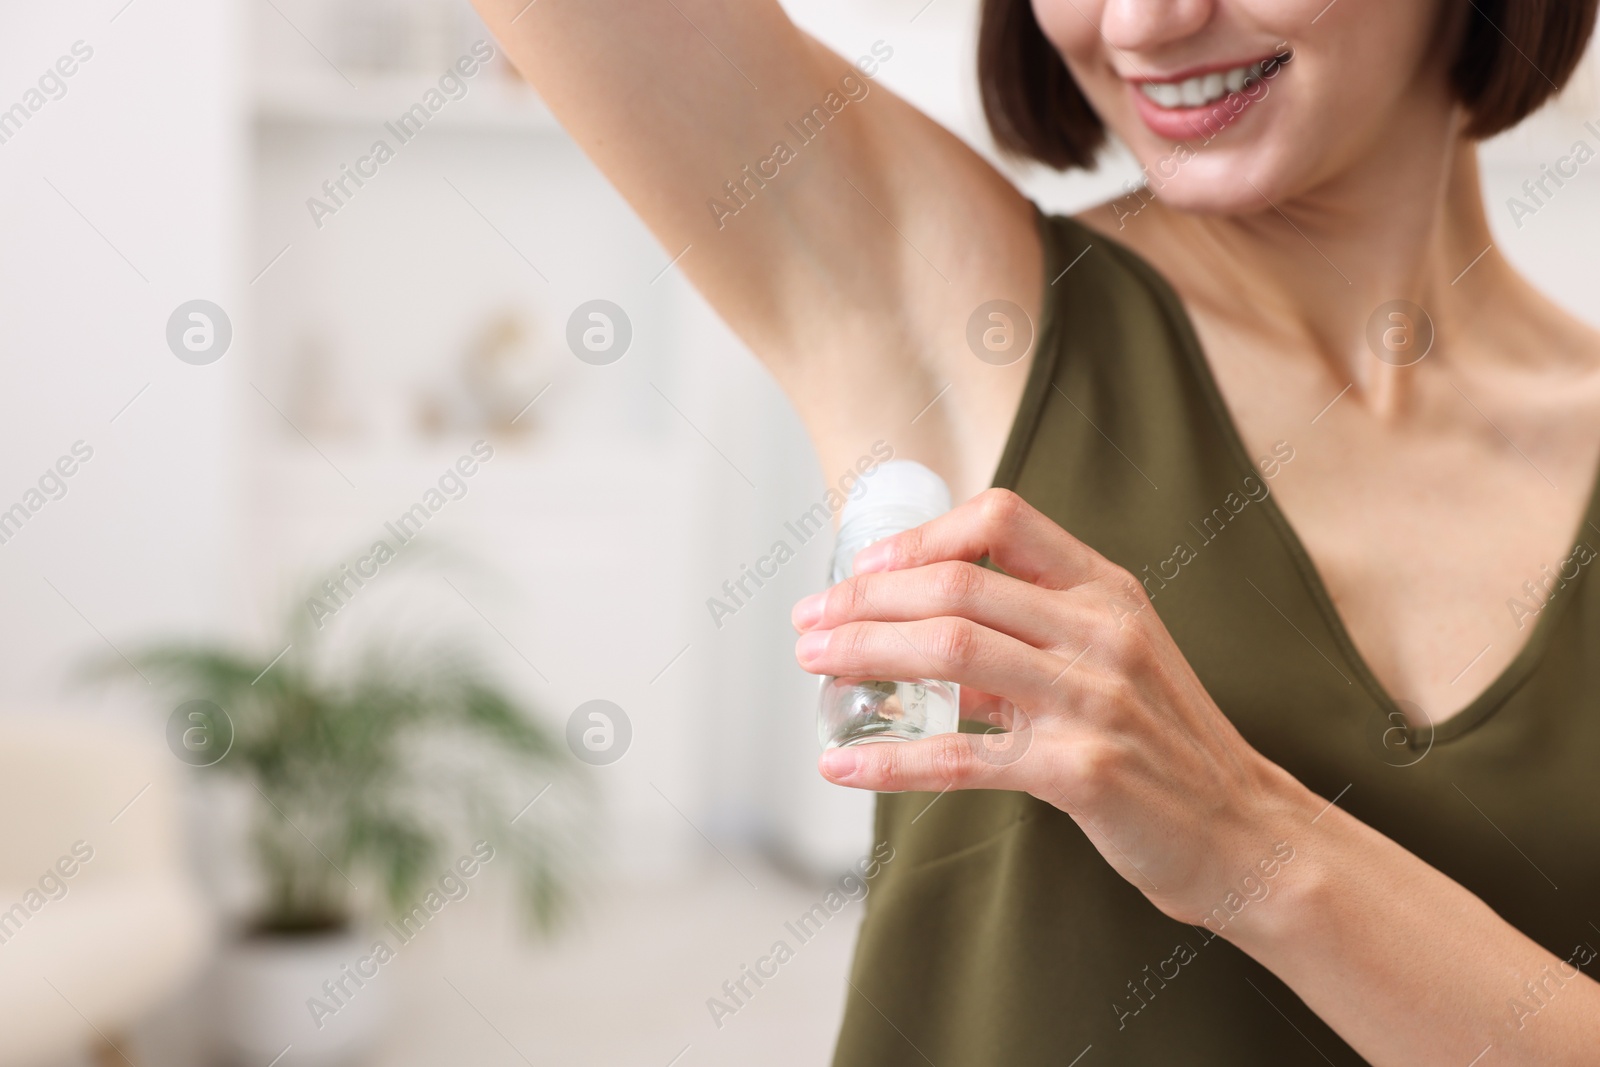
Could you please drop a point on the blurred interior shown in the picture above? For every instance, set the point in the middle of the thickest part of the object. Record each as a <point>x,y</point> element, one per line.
<point>372,346</point>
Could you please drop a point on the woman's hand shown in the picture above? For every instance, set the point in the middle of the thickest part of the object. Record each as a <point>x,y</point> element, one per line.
<point>1103,717</point>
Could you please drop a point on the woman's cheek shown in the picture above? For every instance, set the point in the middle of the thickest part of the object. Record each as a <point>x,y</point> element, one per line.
<point>1072,26</point>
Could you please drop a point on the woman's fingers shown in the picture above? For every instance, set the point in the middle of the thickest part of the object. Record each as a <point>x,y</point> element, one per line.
<point>998,524</point>
<point>989,598</point>
<point>948,649</point>
<point>983,707</point>
<point>934,764</point>
<point>995,714</point>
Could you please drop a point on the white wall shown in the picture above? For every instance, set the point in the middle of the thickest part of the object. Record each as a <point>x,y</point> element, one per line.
<point>145,145</point>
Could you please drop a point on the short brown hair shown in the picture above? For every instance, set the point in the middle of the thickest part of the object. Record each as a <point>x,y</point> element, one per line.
<point>1515,55</point>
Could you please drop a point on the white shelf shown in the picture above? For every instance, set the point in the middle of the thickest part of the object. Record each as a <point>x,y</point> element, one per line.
<point>492,103</point>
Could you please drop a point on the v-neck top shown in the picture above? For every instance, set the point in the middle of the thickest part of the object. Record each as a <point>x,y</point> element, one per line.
<point>997,934</point>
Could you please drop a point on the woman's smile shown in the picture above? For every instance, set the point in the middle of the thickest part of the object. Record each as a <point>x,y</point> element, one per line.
<point>1200,102</point>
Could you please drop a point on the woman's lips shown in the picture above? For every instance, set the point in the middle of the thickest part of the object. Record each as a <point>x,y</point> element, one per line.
<point>1201,103</point>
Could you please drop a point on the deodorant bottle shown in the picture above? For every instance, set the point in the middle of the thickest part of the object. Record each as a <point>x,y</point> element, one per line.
<point>897,496</point>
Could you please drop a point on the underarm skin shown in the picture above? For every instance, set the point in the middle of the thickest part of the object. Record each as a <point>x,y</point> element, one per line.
<point>851,260</point>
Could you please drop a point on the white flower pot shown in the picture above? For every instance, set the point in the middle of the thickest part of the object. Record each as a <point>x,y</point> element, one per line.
<point>271,996</point>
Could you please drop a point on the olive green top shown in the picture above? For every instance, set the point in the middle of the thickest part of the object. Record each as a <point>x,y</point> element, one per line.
<point>998,935</point>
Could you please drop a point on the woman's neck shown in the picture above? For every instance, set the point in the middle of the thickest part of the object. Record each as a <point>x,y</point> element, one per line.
<point>1310,272</point>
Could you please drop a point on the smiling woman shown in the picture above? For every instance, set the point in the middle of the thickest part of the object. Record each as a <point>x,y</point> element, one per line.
<point>1512,57</point>
<point>1154,764</point>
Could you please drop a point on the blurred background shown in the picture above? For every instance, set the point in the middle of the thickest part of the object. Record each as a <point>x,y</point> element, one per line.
<point>240,746</point>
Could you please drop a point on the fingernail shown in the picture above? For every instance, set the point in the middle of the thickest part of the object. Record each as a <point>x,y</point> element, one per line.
<point>873,558</point>
<point>808,612</point>
<point>839,762</point>
<point>811,645</point>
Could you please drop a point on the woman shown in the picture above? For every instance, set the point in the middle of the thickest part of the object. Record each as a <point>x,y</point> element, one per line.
<point>1299,737</point>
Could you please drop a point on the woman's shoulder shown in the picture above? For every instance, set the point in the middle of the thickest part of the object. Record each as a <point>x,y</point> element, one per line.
<point>1112,218</point>
<point>1097,259</point>
<point>1535,332</point>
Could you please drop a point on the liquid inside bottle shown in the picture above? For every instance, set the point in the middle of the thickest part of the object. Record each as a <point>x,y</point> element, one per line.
<point>898,496</point>
<point>857,710</point>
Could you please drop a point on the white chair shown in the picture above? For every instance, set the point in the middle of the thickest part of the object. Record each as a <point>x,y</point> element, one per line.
<point>99,922</point>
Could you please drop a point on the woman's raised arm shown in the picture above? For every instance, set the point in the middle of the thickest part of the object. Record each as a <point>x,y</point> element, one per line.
<point>823,215</point>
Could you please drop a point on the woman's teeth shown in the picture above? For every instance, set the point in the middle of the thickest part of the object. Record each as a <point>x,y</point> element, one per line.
<point>1203,89</point>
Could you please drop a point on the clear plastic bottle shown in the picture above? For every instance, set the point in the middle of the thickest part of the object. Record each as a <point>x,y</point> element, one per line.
<point>896,496</point>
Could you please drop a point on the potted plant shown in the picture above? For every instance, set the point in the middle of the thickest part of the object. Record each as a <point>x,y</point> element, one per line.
<point>381,784</point>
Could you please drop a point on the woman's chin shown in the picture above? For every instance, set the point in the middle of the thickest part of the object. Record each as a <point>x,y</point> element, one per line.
<point>1239,179</point>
